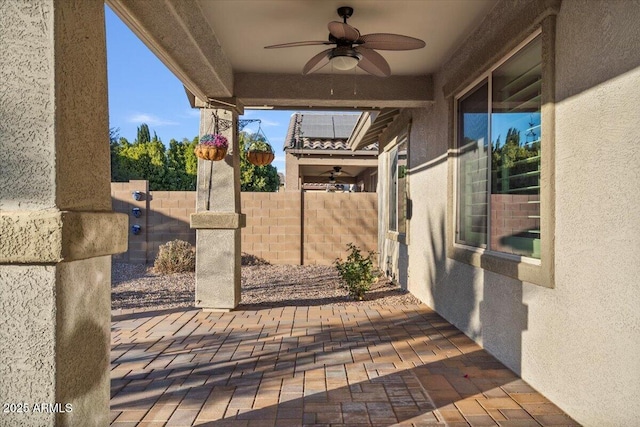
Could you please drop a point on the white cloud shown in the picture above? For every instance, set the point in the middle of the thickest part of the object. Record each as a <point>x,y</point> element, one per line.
<point>151,120</point>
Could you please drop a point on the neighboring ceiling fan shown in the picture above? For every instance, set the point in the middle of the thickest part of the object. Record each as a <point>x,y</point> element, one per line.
<point>354,49</point>
<point>334,173</point>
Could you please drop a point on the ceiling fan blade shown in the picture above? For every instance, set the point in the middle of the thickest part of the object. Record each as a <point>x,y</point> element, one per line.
<point>384,41</point>
<point>317,62</point>
<point>373,63</point>
<point>344,31</point>
<point>295,44</point>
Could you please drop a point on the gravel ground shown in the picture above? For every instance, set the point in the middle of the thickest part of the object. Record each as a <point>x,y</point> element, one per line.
<point>263,285</point>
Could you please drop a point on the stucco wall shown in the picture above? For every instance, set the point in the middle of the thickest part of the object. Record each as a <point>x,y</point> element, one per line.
<point>578,344</point>
<point>55,213</point>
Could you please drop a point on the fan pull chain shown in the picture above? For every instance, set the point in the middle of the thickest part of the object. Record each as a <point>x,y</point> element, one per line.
<point>355,80</point>
<point>331,77</point>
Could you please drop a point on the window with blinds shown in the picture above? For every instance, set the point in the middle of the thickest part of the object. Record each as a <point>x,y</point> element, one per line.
<point>499,133</point>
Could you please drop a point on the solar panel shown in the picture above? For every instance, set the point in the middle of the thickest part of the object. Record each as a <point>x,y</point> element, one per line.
<point>328,126</point>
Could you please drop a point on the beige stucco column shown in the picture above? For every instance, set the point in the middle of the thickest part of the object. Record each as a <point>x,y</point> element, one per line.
<point>57,231</point>
<point>218,219</point>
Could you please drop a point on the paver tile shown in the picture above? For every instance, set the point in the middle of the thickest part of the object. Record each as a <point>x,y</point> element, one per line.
<point>319,366</point>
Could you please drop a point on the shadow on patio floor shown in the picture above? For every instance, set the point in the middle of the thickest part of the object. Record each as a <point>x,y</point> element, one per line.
<point>322,366</point>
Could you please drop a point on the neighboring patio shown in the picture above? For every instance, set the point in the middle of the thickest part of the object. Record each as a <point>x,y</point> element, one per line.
<point>329,365</point>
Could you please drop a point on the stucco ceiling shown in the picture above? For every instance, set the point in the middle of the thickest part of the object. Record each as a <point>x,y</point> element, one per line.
<point>244,27</point>
<point>216,48</point>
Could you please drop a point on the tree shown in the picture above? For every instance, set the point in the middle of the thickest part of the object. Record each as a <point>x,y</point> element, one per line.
<point>176,168</point>
<point>252,177</point>
<point>143,134</point>
<point>182,165</point>
<point>144,159</point>
<point>507,160</point>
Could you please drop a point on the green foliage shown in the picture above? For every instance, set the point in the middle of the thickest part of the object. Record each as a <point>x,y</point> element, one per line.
<point>176,168</point>
<point>142,160</point>
<point>176,256</point>
<point>357,272</point>
<point>506,159</point>
<point>402,171</point>
<point>182,165</point>
<point>252,177</point>
<point>168,170</point>
<point>257,142</point>
<point>143,134</point>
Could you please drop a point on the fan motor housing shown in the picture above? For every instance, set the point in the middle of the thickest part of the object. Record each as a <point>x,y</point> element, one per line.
<point>345,51</point>
<point>345,12</point>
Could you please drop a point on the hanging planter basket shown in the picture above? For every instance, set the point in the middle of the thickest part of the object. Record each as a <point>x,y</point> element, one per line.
<point>212,147</point>
<point>260,158</point>
<point>259,151</point>
<point>210,153</point>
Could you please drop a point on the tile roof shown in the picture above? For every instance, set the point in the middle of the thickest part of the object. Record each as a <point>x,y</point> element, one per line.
<point>313,131</point>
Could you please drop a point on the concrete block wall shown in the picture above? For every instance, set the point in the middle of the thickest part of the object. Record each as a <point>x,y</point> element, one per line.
<point>273,229</point>
<point>164,217</point>
<point>331,220</point>
<point>168,219</point>
<point>123,201</point>
<point>282,228</point>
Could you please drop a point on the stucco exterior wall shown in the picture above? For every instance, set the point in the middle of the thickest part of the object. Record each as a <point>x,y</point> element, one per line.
<point>578,343</point>
<point>57,231</point>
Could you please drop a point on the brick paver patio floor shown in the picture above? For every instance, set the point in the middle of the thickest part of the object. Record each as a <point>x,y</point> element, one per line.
<point>369,365</point>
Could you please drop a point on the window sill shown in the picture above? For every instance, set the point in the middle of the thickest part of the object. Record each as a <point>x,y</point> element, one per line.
<point>521,268</point>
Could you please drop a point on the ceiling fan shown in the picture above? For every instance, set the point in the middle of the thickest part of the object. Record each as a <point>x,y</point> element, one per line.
<point>334,174</point>
<point>354,49</point>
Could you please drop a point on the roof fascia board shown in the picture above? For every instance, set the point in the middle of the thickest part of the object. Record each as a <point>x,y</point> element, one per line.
<point>382,121</point>
<point>397,127</point>
<point>337,161</point>
<point>307,151</point>
<point>315,91</point>
<point>179,35</point>
<point>360,130</point>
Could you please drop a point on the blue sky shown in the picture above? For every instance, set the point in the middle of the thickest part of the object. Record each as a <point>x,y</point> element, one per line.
<point>143,90</point>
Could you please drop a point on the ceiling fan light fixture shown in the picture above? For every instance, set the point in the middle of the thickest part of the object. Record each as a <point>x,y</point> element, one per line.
<point>353,49</point>
<point>345,60</point>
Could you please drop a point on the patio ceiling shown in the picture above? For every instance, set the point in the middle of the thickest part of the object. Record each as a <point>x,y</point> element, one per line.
<point>216,48</point>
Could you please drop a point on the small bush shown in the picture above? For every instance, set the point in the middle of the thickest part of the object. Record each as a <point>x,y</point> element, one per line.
<point>248,259</point>
<point>176,256</point>
<point>357,272</point>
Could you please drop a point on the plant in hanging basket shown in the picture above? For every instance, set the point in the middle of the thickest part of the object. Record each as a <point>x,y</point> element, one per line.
<point>212,147</point>
<point>260,152</point>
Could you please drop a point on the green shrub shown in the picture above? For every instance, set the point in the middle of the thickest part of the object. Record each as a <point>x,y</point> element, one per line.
<point>357,272</point>
<point>176,256</point>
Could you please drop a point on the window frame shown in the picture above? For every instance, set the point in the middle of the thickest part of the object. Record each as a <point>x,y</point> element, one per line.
<point>532,270</point>
<point>392,205</point>
<point>394,233</point>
